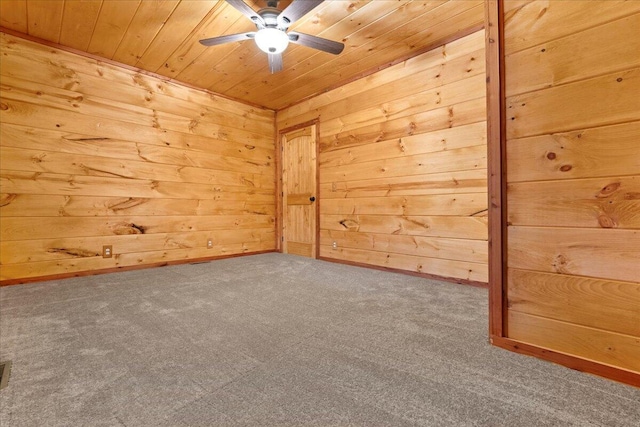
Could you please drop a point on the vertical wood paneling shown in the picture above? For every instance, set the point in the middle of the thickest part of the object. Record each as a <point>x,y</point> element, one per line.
<point>190,51</point>
<point>403,163</point>
<point>45,19</point>
<point>181,21</point>
<point>78,23</point>
<point>154,170</point>
<point>573,160</point>
<point>111,26</point>
<point>145,25</point>
<point>13,14</point>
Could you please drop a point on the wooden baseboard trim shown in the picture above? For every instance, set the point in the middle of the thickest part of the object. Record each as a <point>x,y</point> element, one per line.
<point>572,362</point>
<point>10,282</point>
<point>409,273</point>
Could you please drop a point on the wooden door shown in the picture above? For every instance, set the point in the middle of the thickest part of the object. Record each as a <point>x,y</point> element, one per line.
<point>299,192</point>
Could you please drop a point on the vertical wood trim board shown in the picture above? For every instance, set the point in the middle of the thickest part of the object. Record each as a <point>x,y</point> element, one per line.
<point>94,155</point>
<point>496,166</point>
<point>403,164</point>
<point>572,127</point>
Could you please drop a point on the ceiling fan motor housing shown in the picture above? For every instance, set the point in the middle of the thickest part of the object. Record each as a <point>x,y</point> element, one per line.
<point>270,16</point>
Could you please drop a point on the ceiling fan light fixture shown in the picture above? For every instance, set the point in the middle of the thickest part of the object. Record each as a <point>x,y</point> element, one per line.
<point>272,40</point>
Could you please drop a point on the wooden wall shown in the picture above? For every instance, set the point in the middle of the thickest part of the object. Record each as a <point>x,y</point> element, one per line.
<point>93,155</point>
<point>402,164</point>
<point>572,73</point>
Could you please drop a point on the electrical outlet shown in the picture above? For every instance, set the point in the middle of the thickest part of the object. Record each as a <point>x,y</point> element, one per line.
<point>209,244</point>
<point>107,251</point>
<point>335,245</point>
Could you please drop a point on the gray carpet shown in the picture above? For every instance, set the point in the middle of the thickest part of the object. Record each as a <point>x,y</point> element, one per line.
<point>277,340</point>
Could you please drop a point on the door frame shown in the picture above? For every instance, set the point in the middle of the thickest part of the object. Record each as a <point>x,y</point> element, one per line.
<point>279,187</point>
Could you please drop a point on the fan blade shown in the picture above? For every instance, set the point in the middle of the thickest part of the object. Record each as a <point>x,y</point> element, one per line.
<point>247,11</point>
<point>213,41</point>
<point>296,10</point>
<point>275,62</point>
<point>319,43</point>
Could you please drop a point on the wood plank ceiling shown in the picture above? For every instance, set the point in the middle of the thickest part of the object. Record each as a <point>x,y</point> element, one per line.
<point>161,36</point>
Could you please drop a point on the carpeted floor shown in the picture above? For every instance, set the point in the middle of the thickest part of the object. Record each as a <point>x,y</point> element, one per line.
<point>277,340</point>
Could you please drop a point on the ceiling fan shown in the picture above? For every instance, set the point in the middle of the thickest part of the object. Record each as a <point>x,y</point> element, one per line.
<point>272,25</point>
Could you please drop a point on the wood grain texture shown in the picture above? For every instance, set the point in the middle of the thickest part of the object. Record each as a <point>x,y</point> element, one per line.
<point>436,205</point>
<point>601,253</point>
<point>111,26</point>
<point>460,159</point>
<point>612,202</point>
<point>573,164</point>
<point>16,182</point>
<point>13,14</point>
<point>575,57</point>
<point>424,91</point>
<point>496,164</point>
<point>39,205</point>
<point>26,251</point>
<point>49,118</point>
<point>586,153</point>
<point>21,159</point>
<point>363,12</point>
<point>108,107</point>
<point>429,27</point>
<point>606,347</point>
<point>402,164</point>
<point>474,134</point>
<point>604,304</point>
<point>44,63</point>
<point>468,181</point>
<point>299,184</point>
<point>16,228</point>
<point>78,21</point>
<point>460,114</point>
<point>530,23</point>
<point>96,155</point>
<point>464,270</point>
<point>570,361</point>
<point>442,64</point>
<point>599,101</point>
<point>180,22</point>
<point>13,273</point>
<point>457,227</point>
<point>143,28</point>
<point>45,19</point>
<point>455,249</point>
<point>161,36</point>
